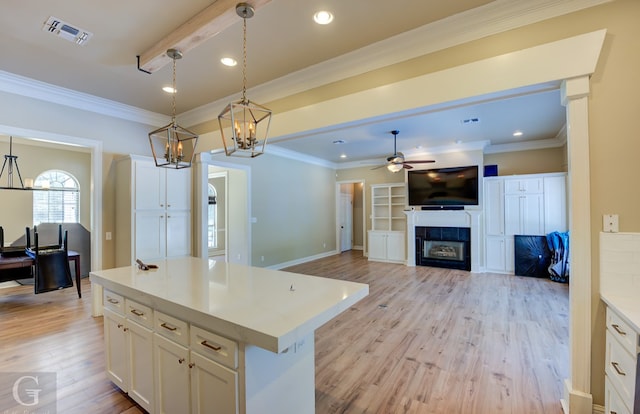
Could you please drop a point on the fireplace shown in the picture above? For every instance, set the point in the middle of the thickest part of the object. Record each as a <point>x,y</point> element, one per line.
<point>448,247</point>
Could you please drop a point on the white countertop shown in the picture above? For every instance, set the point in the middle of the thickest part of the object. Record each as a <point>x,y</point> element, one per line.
<point>626,306</point>
<point>252,305</point>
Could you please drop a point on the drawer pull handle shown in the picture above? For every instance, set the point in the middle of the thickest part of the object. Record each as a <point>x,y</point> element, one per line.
<point>137,312</point>
<point>191,365</point>
<point>181,360</point>
<point>120,325</point>
<point>208,345</point>
<point>113,301</point>
<point>617,328</point>
<point>618,370</point>
<point>169,327</point>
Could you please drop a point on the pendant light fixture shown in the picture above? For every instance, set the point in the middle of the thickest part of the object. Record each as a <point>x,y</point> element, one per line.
<point>172,145</point>
<point>244,125</point>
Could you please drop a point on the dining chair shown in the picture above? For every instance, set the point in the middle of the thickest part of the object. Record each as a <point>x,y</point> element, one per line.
<point>51,269</point>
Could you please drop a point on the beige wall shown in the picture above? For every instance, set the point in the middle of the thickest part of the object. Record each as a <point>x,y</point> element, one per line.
<point>529,162</point>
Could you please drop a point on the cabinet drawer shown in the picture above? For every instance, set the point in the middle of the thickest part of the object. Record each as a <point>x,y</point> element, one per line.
<point>620,368</point>
<point>622,331</point>
<point>222,350</point>
<point>612,401</point>
<point>113,301</point>
<point>139,313</point>
<point>171,328</point>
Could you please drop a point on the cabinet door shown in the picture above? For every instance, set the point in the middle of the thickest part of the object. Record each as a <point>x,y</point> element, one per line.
<point>523,214</point>
<point>555,204</point>
<point>172,377</point>
<point>213,387</point>
<point>149,186</point>
<point>395,247</point>
<point>377,245</point>
<point>494,207</point>
<point>178,189</point>
<point>532,214</point>
<point>141,365</point>
<point>178,233</point>
<point>495,254</point>
<point>115,345</point>
<point>150,235</point>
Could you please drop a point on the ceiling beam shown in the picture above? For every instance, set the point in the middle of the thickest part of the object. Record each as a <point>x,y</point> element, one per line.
<point>201,27</point>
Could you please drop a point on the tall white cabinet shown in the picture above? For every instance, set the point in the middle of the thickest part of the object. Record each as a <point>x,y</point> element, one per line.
<point>388,223</point>
<point>153,211</point>
<point>532,204</point>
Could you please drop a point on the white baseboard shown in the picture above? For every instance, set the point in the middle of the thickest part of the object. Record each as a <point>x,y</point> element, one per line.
<point>302,260</point>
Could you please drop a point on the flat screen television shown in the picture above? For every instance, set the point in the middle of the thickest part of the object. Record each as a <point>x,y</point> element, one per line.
<point>457,186</point>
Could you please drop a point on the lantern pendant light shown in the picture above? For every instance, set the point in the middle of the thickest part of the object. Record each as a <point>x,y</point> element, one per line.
<point>172,145</point>
<point>244,125</point>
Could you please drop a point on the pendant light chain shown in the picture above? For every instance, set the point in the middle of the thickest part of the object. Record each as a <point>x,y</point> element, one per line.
<point>244,59</point>
<point>173,101</point>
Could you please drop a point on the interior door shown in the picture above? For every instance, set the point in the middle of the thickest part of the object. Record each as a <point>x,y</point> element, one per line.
<point>346,221</point>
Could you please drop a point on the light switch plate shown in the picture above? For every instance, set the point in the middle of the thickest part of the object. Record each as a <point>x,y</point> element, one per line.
<point>610,223</point>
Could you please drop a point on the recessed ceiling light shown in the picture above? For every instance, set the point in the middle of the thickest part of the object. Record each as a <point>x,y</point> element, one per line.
<point>227,61</point>
<point>343,155</point>
<point>518,134</point>
<point>168,89</point>
<point>323,17</point>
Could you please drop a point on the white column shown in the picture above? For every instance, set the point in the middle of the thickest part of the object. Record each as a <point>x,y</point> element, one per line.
<point>411,238</point>
<point>578,398</point>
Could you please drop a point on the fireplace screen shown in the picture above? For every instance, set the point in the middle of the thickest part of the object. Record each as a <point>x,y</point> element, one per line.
<point>443,250</point>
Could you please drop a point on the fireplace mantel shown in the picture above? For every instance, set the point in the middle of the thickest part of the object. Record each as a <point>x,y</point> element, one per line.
<point>446,218</point>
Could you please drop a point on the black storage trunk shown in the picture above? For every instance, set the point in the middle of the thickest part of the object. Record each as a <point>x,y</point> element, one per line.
<point>532,256</point>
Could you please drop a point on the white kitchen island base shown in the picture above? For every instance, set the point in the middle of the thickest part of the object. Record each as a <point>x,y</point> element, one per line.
<point>202,336</point>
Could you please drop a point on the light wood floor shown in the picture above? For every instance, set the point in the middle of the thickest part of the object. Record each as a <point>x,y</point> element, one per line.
<point>425,340</point>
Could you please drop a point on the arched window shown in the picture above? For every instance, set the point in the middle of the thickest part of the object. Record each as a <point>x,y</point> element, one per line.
<point>59,204</point>
<point>212,233</point>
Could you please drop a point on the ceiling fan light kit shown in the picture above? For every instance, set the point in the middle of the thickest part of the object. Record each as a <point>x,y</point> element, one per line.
<point>396,162</point>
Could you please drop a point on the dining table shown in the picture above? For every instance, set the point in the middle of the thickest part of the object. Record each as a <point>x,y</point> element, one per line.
<point>21,261</point>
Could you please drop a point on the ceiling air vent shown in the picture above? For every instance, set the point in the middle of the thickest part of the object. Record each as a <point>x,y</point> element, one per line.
<point>67,31</point>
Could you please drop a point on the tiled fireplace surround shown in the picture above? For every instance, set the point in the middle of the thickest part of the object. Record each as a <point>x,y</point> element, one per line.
<point>445,218</point>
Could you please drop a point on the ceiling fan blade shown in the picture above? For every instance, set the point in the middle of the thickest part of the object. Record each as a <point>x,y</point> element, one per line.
<point>420,161</point>
<point>406,166</point>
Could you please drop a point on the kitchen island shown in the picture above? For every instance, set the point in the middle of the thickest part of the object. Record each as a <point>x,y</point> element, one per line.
<point>202,336</point>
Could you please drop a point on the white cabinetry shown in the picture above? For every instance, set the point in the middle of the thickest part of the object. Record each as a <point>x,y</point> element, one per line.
<point>153,211</point>
<point>128,344</point>
<point>387,236</point>
<point>520,205</point>
<point>152,357</point>
<point>620,364</point>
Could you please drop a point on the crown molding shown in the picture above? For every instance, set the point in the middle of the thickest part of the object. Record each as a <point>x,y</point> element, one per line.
<point>20,85</point>
<point>494,18</point>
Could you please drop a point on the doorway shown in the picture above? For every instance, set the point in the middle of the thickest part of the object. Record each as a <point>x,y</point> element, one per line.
<point>350,218</point>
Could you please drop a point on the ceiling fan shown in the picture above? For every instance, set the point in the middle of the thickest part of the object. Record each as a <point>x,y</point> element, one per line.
<point>396,161</point>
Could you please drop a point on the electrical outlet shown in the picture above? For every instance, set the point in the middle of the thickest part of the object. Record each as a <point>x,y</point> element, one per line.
<point>262,258</point>
<point>108,235</point>
<point>610,223</point>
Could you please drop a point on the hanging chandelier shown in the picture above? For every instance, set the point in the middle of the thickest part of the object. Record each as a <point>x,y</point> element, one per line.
<point>244,125</point>
<point>172,145</point>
